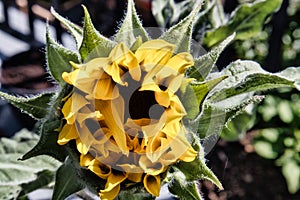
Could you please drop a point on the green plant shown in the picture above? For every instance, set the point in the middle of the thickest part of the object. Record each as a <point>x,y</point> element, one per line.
<point>197,100</point>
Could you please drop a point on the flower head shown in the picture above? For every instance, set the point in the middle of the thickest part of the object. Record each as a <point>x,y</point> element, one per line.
<point>126,116</point>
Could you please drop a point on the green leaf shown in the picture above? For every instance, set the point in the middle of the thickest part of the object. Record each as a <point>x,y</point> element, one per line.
<point>291,73</point>
<point>71,178</point>
<point>131,27</point>
<point>253,83</point>
<point>34,106</point>
<point>74,29</point>
<point>246,21</point>
<point>285,111</point>
<point>43,179</point>
<point>93,44</point>
<point>58,58</point>
<point>167,12</point>
<point>13,173</point>
<point>216,116</point>
<point>291,172</point>
<point>204,64</point>
<point>181,33</point>
<point>265,149</point>
<point>66,182</point>
<point>185,190</point>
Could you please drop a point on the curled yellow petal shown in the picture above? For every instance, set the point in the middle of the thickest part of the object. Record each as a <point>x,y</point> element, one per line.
<point>154,53</point>
<point>152,184</point>
<point>67,133</point>
<point>113,112</point>
<point>105,89</point>
<point>123,57</point>
<point>112,186</point>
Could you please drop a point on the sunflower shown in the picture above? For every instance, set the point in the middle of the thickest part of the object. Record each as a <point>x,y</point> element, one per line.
<point>126,117</point>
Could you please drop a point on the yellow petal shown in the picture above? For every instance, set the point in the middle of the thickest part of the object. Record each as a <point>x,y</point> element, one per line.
<point>178,64</point>
<point>149,167</point>
<point>154,53</point>
<point>113,112</point>
<point>70,77</point>
<point>157,146</point>
<point>112,186</point>
<point>100,170</point>
<point>105,89</point>
<point>81,147</point>
<point>189,155</point>
<point>123,57</point>
<point>86,160</point>
<point>163,98</point>
<point>135,177</point>
<point>67,133</point>
<point>72,107</point>
<point>115,72</point>
<point>152,184</point>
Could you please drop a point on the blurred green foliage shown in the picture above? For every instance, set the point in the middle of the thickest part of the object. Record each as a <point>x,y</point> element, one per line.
<point>282,141</point>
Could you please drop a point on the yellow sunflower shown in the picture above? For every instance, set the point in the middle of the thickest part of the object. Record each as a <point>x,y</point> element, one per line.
<point>126,117</point>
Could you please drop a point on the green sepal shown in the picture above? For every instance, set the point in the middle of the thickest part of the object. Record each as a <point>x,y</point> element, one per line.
<point>185,190</point>
<point>35,106</point>
<point>93,44</point>
<point>134,193</point>
<point>74,29</point>
<point>205,63</point>
<point>137,43</point>
<point>47,145</point>
<point>193,94</point>
<point>58,58</point>
<point>197,169</point>
<point>131,27</point>
<point>71,178</point>
<point>43,179</point>
<point>49,130</point>
<point>201,89</point>
<point>181,33</point>
<point>246,21</point>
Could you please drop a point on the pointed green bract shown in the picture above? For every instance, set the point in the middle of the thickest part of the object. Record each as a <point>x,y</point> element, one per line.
<point>181,33</point>
<point>49,129</point>
<point>93,44</point>
<point>58,58</point>
<point>35,106</point>
<point>131,27</point>
<point>74,29</point>
<point>246,21</point>
<point>185,190</point>
<point>198,170</point>
<point>204,64</point>
<point>193,95</point>
<point>47,144</point>
<point>202,89</point>
<point>135,193</point>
